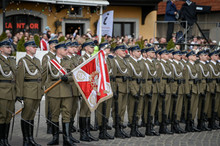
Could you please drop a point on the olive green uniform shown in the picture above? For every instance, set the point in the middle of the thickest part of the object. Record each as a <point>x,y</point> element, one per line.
<point>7,88</point>
<point>203,86</point>
<point>61,95</point>
<point>191,86</point>
<point>46,58</point>
<point>178,85</point>
<point>122,85</point>
<point>29,85</point>
<point>164,86</point>
<point>135,88</point>
<point>214,86</point>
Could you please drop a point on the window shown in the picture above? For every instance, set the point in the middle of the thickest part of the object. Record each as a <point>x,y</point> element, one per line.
<point>123,28</point>
<point>75,11</point>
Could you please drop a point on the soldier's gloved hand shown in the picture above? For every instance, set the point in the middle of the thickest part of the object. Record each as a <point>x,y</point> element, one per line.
<point>64,78</point>
<point>19,99</point>
<point>175,95</point>
<point>162,95</point>
<point>115,96</point>
<point>136,96</point>
<point>188,96</point>
<point>202,94</point>
<point>80,97</point>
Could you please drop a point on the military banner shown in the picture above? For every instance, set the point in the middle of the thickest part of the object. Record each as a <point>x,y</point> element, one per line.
<point>92,79</point>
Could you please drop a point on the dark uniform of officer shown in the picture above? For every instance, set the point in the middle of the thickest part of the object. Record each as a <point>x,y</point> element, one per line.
<point>7,90</point>
<point>60,96</point>
<point>29,89</point>
<point>46,58</point>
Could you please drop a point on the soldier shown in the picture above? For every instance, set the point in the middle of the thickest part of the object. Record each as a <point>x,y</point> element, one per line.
<point>204,96</point>
<point>122,80</point>
<point>60,97</point>
<point>164,91</point>
<point>151,89</point>
<point>178,87</point>
<point>75,59</point>
<point>191,90</point>
<point>135,102</point>
<point>214,87</point>
<point>29,89</point>
<point>84,119</point>
<point>105,107</point>
<point>7,90</point>
<point>46,58</point>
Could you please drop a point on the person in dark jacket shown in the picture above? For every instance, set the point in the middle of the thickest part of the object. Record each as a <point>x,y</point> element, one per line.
<point>170,15</point>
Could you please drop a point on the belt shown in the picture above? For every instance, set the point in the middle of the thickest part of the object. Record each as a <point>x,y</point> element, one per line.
<point>32,80</point>
<point>55,79</point>
<point>7,81</point>
<point>112,78</point>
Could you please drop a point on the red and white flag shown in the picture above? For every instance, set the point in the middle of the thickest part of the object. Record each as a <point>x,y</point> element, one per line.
<point>92,80</point>
<point>58,67</point>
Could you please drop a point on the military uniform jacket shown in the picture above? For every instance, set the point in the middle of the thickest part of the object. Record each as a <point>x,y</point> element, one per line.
<point>135,75</point>
<point>178,75</point>
<point>214,70</point>
<point>29,69</point>
<point>190,73</point>
<point>62,89</point>
<point>46,59</point>
<point>203,75</point>
<point>164,71</point>
<point>7,73</point>
<point>152,73</point>
<point>75,60</point>
<point>122,70</point>
<point>112,70</point>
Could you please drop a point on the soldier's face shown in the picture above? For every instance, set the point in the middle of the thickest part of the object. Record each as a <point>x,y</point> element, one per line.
<point>6,50</point>
<point>62,52</point>
<point>151,54</point>
<point>164,56</point>
<point>215,57</point>
<point>203,57</point>
<point>32,50</point>
<point>75,50</point>
<point>121,53</point>
<point>136,54</point>
<point>193,58</point>
<point>89,49</point>
<point>52,47</point>
<point>177,57</point>
<point>70,50</point>
<point>107,51</point>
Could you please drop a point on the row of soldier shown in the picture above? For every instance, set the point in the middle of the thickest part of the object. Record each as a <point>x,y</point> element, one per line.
<point>139,82</point>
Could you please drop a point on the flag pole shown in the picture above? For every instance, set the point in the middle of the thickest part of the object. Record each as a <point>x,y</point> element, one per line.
<point>100,24</point>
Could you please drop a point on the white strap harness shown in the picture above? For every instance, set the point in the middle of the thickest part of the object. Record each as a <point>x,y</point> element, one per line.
<point>205,75</point>
<point>175,72</point>
<point>119,68</point>
<point>167,74</point>
<point>3,73</point>
<point>213,71</point>
<point>190,73</point>
<point>136,74</point>
<point>29,72</point>
<point>155,72</point>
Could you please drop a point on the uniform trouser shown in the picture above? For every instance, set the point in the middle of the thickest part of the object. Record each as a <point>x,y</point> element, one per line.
<point>75,106</point>
<point>153,106</point>
<point>217,105</point>
<point>122,102</point>
<point>179,105</point>
<point>30,108</point>
<point>7,108</point>
<point>131,103</point>
<point>84,109</point>
<point>193,106</point>
<point>46,106</point>
<point>206,104</point>
<point>100,113</point>
<point>61,105</point>
<point>167,106</point>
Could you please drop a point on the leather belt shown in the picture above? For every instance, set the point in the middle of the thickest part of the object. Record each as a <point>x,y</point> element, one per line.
<point>55,80</point>
<point>7,81</point>
<point>32,80</point>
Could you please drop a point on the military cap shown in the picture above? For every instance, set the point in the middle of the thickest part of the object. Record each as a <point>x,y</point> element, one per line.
<point>202,52</point>
<point>104,45</point>
<point>75,43</point>
<point>150,49</point>
<point>122,47</point>
<point>88,43</point>
<point>5,42</point>
<point>143,50</point>
<point>177,52</point>
<point>53,41</point>
<point>170,51</point>
<point>156,52</point>
<point>163,51</point>
<point>184,52</point>
<point>190,53</point>
<point>30,43</point>
<point>213,53</point>
<point>135,47</point>
<point>61,45</point>
<point>69,43</point>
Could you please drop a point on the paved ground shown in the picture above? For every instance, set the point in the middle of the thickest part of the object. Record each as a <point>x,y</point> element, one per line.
<point>211,138</point>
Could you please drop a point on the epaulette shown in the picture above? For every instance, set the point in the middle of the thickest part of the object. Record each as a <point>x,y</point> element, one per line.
<point>110,56</point>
